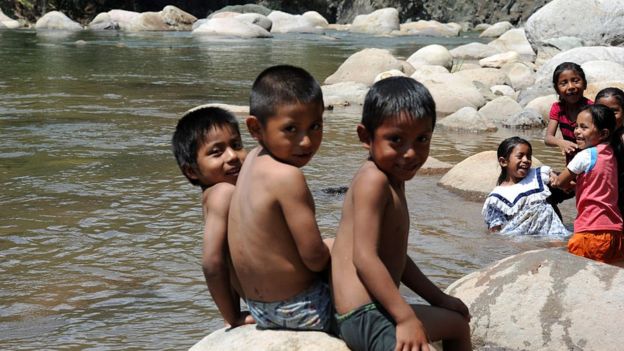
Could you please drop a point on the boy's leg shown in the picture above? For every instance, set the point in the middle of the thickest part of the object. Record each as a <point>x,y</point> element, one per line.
<point>445,325</point>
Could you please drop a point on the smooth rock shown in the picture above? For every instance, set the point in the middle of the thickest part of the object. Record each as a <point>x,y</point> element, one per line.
<point>316,18</point>
<point>600,71</point>
<point>546,300</point>
<point>344,94</point>
<point>8,22</point>
<point>388,74</point>
<point>496,30</point>
<point>431,55</point>
<point>486,76</point>
<point>242,338</point>
<point>230,27</point>
<point>499,60</point>
<point>500,109</point>
<point>382,21</point>
<point>543,104</point>
<point>594,88</point>
<point>434,166</point>
<point>103,21</point>
<point>430,28</point>
<point>525,119</point>
<point>451,92</point>
<point>364,66</point>
<point>474,51</point>
<point>286,23</point>
<point>520,74</point>
<point>257,19</point>
<point>177,19</point>
<point>467,119</point>
<point>514,40</point>
<point>481,27</point>
<point>465,180</point>
<point>241,111</point>
<point>147,22</point>
<point>247,8</point>
<point>56,20</point>
<point>503,90</point>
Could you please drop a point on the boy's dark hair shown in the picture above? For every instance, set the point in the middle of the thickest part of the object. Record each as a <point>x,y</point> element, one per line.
<point>602,116</point>
<point>396,97</point>
<point>613,92</point>
<point>282,85</point>
<point>565,66</point>
<point>505,149</point>
<point>191,131</point>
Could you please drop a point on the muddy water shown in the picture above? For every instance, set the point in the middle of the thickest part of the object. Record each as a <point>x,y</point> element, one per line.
<point>99,233</point>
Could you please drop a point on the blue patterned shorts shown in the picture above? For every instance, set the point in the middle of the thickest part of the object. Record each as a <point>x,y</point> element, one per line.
<point>309,310</point>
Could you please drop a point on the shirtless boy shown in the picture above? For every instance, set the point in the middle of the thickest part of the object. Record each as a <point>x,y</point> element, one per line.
<point>369,256</point>
<point>274,241</point>
<point>209,150</point>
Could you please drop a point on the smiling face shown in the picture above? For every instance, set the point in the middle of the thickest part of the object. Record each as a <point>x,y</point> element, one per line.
<point>586,132</point>
<point>570,86</point>
<point>219,158</point>
<point>517,164</point>
<point>612,103</point>
<point>293,134</point>
<point>399,146</point>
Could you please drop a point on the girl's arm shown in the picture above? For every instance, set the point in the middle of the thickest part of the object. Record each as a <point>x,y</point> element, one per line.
<point>563,180</point>
<point>494,218</point>
<point>551,139</point>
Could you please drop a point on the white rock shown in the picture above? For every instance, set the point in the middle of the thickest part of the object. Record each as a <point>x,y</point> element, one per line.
<point>8,22</point>
<point>594,88</point>
<point>147,21</point>
<point>600,71</point>
<point>452,93</point>
<point>432,55</point>
<point>257,19</point>
<point>431,28</point>
<point>434,166</point>
<point>474,51</point>
<point>344,94</point>
<point>499,60</point>
<point>224,14</point>
<point>482,26</point>
<point>466,119</point>
<point>177,19</point>
<point>514,40</point>
<point>544,300</point>
<point>500,109</point>
<point>241,111</point>
<point>382,21</point>
<point>122,18</point>
<point>496,30</point>
<point>242,338</point>
<point>486,76</point>
<point>503,90</point>
<point>425,72</point>
<point>525,119</point>
<point>520,75</point>
<point>388,74</point>
<point>230,27</point>
<point>56,20</point>
<point>286,23</point>
<point>316,18</point>
<point>364,66</point>
<point>543,105</point>
<point>103,21</point>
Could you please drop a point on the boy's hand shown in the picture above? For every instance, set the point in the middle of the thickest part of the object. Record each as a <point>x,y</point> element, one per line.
<point>244,318</point>
<point>454,304</point>
<point>410,336</point>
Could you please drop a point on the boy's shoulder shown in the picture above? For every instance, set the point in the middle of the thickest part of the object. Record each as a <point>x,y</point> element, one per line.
<point>217,197</point>
<point>370,175</point>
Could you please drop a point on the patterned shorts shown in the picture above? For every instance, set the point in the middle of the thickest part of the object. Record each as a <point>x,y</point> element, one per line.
<point>309,310</point>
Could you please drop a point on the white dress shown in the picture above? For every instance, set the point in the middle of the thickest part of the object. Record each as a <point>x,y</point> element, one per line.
<point>521,209</point>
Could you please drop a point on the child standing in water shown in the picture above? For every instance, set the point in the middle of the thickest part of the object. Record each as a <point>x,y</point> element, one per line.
<point>208,148</point>
<point>613,98</point>
<point>369,256</point>
<point>518,205</point>
<point>598,224</point>
<point>570,84</point>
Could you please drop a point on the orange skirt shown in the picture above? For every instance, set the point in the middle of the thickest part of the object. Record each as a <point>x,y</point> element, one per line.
<point>605,246</point>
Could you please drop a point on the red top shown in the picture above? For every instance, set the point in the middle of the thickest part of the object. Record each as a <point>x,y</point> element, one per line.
<point>566,126</point>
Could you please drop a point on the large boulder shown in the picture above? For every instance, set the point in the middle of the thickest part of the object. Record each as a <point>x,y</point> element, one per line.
<point>344,94</point>
<point>514,40</point>
<point>8,22</point>
<point>500,109</point>
<point>316,18</point>
<point>230,27</point>
<point>546,300</point>
<point>434,54</point>
<point>496,30</point>
<point>520,74</point>
<point>257,19</point>
<point>364,66</point>
<point>430,28</point>
<point>286,23</point>
<point>56,20</point>
<point>543,104</point>
<point>600,71</point>
<point>451,92</point>
<point>147,21</point>
<point>525,119</point>
<point>597,22</point>
<point>242,338</point>
<point>475,176</point>
<point>486,76</point>
<point>122,18</point>
<point>177,19</point>
<point>499,60</point>
<point>247,8</point>
<point>474,51</point>
<point>594,88</point>
<point>382,21</point>
<point>103,21</point>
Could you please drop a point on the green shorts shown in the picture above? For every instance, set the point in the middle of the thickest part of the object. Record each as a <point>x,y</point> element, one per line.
<point>367,328</point>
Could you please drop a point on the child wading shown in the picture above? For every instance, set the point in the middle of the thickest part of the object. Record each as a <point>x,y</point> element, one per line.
<point>598,224</point>
<point>518,205</point>
<point>369,257</point>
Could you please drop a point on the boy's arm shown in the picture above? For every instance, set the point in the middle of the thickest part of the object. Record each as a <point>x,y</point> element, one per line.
<point>370,198</point>
<point>215,251</point>
<point>297,206</point>
<point>417,281</point>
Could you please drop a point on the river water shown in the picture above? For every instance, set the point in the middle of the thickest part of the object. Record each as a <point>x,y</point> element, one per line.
<point>100,235</point>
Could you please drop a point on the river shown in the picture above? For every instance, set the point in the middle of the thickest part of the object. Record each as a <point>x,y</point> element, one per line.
<point>100,234</point>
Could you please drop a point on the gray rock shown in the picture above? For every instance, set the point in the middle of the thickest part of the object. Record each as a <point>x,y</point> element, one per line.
<point>542,105</point>
<point>503,90</point>
<point>364,66</point>
<point>344,94</point>
<point>257,19</point>
<point>466,119</point>
<point>597,23</point>
<point>434,54</point>
<point>520,74</point>
<point>474,51</point>
<point>177,19</point>
<point>496,30</point>
<point>499,60</point>
<point>544,300</point>
<point>430,28</point>
<point>500,109</point>
<point>247,8</point>
<point>230,27</point>
<point>486,76</point>
<point>525,119</point>
<point>514,40</point>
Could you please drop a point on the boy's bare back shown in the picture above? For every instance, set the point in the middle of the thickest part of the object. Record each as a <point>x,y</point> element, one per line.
<point>271,216</point>
<point>349,292</point>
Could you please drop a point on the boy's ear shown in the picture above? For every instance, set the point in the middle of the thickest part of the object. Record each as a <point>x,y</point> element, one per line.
<point>364,135</point>
<point>254,127</point>
<point>189,172</point>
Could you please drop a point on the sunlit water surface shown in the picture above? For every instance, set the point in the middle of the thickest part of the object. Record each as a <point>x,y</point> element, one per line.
<point>100,235</point>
